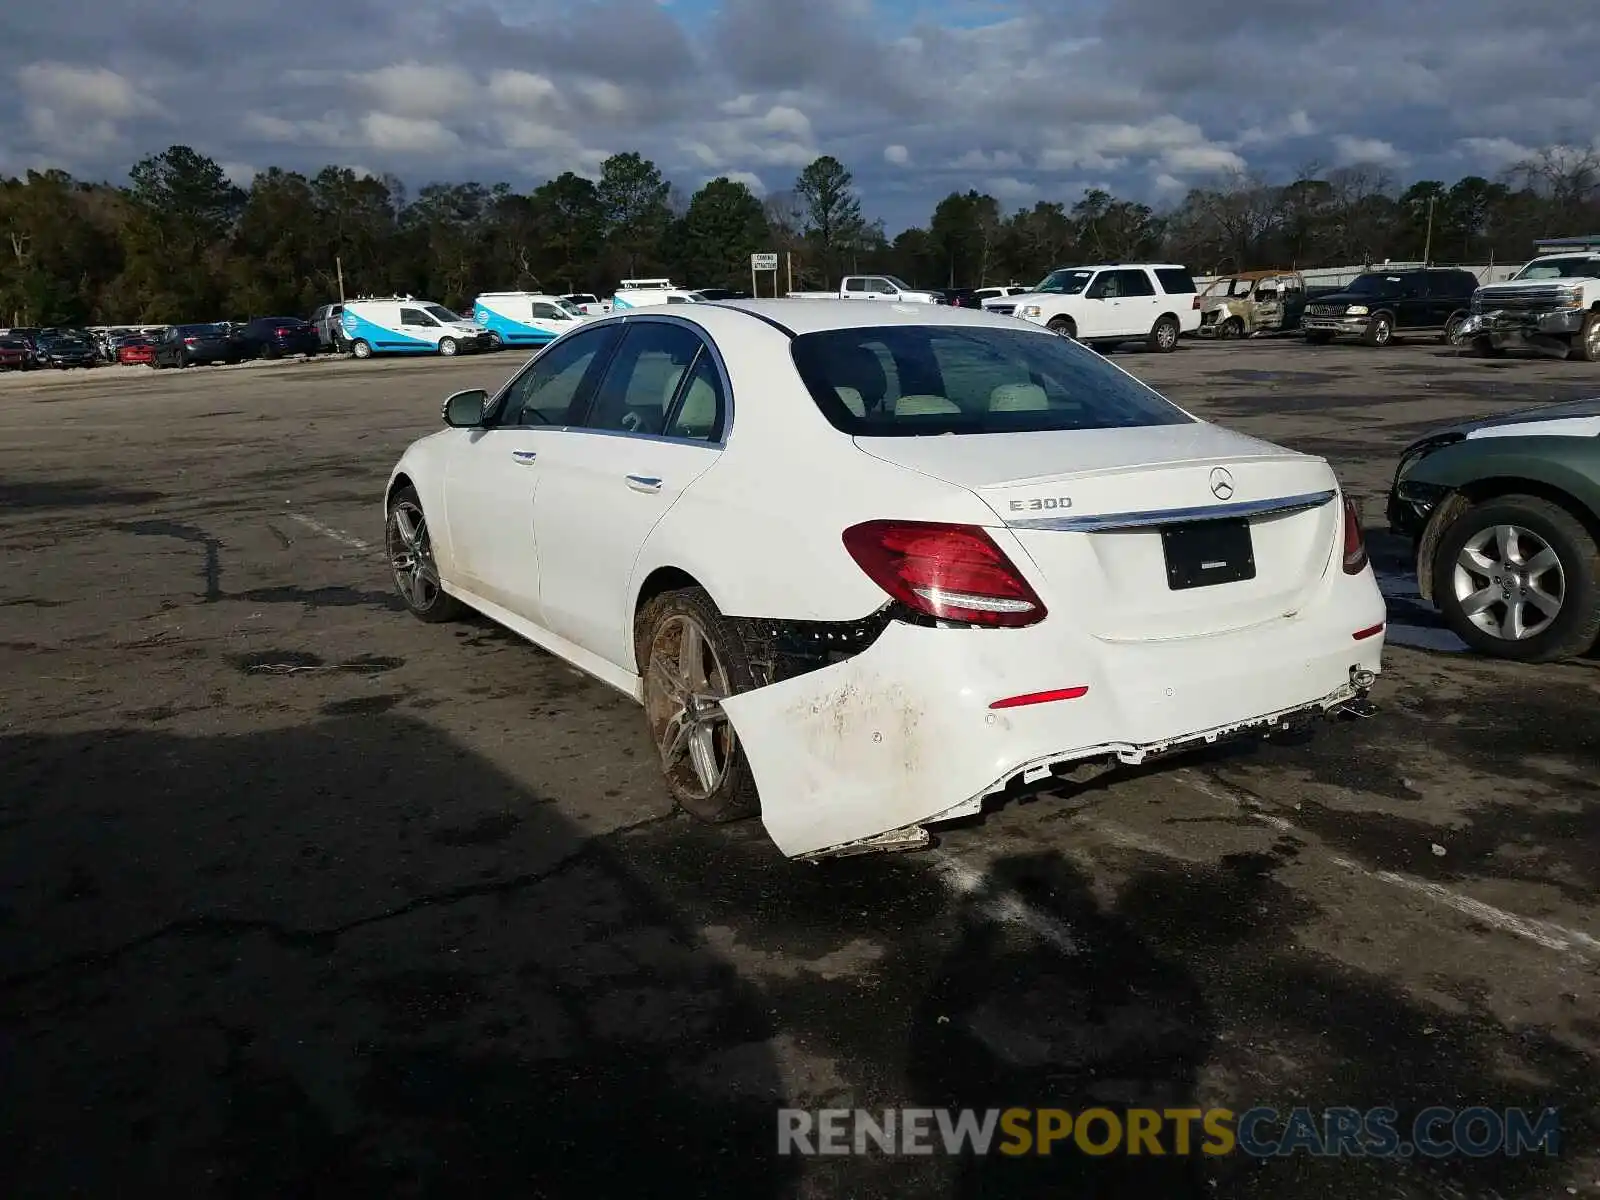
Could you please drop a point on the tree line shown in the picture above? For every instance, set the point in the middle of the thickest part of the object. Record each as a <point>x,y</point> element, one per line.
<point>181,242</point>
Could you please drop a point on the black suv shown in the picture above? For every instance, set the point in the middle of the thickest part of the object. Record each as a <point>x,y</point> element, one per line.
<point>1382,305</point>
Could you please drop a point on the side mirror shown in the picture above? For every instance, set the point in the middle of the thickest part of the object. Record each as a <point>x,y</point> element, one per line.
<point>464,410</point>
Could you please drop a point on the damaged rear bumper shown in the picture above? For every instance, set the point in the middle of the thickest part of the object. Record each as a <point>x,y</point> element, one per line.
<point>860,755</point>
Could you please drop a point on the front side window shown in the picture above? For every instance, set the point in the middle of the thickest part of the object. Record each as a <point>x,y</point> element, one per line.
<point>918,380</point>
<point>644,378</point>
<point>556,385</point>
<point>415,316</point>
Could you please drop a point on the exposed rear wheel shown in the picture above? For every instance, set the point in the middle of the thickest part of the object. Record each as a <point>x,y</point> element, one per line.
<point>1516,577</point>
<point>410,549</point>
<point>691,660</point>
<point>1164,335</point>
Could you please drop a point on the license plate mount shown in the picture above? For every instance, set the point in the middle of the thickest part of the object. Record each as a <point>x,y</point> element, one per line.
<point>1206,553</point>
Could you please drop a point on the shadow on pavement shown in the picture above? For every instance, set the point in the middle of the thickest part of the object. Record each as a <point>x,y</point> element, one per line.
<point>351,960</point>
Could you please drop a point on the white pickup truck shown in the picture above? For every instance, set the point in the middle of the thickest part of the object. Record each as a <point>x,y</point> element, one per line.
<point>872,287</point>
<point>1553,301</point>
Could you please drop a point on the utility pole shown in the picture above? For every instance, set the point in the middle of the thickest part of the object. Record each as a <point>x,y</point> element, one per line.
<point>1427,246</point>
<point>788,262</point>
<point>338,266</point>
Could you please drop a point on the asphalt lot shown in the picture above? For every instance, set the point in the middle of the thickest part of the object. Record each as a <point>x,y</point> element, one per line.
<point>303,897</point>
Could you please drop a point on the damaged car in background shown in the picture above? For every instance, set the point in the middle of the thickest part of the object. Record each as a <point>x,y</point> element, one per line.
<point>1552,304</point>
<point>865,565</point>
<point>1253,303</point>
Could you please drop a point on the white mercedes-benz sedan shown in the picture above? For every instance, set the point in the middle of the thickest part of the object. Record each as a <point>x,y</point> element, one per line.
<point>864,565</point>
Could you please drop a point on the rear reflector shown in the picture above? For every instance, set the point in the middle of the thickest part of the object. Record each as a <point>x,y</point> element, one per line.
<point>1362,635</point>
<point>1071,693</point>
<point>948,572</point>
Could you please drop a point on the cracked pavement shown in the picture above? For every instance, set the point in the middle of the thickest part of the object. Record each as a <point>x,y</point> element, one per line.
<point>302,897</point>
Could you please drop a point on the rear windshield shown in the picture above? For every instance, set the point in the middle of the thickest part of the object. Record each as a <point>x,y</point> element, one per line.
<point>914,380</point>
<point>1175,281</point>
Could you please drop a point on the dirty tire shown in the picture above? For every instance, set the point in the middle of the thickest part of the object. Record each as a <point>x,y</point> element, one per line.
<point>720,666</point>
<point>1586,342</point>
<point>1233,327</point>
<point>360,349</point>
<point>1063,327</point>
<point>1163,337</point>
<point>1575,627</point>
<point>410,549</point>
<point>1380,330</point>
<point>1318,337</point>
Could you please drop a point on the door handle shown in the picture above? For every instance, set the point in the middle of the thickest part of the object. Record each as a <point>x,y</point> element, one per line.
<point>525,457</point>
<point>644,483</point>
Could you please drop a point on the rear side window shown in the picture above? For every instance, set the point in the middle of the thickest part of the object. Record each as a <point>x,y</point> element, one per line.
<point>1175,281</point>
<point>919,380</point>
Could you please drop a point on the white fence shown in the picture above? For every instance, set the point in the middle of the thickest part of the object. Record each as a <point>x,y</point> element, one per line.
<point>1337,276</point>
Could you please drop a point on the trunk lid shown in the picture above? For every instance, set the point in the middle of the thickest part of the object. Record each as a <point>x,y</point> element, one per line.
<point>1089,507</point>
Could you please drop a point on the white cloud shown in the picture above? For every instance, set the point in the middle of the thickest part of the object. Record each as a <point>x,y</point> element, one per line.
<point>406,135</point>
<point>84,91</point>
<point>414,90</point>
<point>897,155</point>
<point>750,180</point>
<point>1350,150</point>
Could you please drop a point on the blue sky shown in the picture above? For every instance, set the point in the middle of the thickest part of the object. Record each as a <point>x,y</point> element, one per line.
<point>1026,99</point>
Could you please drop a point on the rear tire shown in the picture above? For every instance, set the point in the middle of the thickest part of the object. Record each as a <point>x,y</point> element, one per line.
<point>410,549</point>
<point>1163,337</point>
<point>690,658</point>
<point>1469,574</point>
<point>1063,327</point>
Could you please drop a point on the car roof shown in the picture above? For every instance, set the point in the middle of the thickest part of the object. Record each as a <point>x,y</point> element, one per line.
<point>816,316</point>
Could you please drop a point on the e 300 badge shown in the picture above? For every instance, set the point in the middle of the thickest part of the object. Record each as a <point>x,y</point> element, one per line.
<point>1046,504</point>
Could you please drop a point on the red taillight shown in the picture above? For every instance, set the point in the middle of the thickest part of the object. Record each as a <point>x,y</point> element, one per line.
<point>1362,635</point>
<point>1196,302</point>
<point>949,572</point>
<point>190,341</point>
<point>1071,693</point>
<point>283,332</point>
<point>1355,541</point>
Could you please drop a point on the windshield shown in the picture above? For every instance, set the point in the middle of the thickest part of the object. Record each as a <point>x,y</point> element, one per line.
<point>915,380</point>
<point>1373,285</point>
<point>897,282</point>
<point>1585,266</point>
<point>1065,282</point>
<point>439,313</point>
<point>572,310</point>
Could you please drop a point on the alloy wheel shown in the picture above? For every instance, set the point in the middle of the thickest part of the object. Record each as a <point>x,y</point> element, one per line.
<point>411,556</point>
<point>1509,582</point>
<point>685,684</point>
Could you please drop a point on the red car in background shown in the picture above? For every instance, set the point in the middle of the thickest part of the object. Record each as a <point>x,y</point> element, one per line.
<point>15,354</point>
<point>132,352</point>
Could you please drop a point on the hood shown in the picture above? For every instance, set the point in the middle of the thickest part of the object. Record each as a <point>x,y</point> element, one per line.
<point>1346,298</point>
<point>1573,418</point>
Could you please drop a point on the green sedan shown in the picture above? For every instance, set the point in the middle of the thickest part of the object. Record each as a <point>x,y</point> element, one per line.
<point>1504,515</point>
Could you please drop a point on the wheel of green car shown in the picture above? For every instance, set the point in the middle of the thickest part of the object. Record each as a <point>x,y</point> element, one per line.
<point>1380,330</point>
<point>1518,577</point>
<point>1586,342</point>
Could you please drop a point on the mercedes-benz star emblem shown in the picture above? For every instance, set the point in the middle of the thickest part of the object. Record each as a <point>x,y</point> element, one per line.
<point>1221,483</point>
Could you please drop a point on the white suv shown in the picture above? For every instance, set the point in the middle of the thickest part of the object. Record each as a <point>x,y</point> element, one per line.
<point>1114,302</point>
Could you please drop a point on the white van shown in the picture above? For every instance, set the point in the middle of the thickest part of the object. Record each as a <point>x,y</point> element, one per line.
<point>644,293</point>
<point>524,318</point>
<point>406,325</point>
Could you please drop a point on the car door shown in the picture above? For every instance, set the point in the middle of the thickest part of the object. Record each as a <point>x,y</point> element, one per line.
<point>655,426</point>
<point>493,473</point>
<point>1102,313</point>
<point>1140,303</point>
<point>855,288</point>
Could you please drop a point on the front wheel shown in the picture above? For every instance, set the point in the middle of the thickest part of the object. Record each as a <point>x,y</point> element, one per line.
<point>1452,329</point>
<point>410,548</point>
<point>1233,327</point>
<point>691,660</point>
<point>448,347</point>
<point>1063,327</point>
<point>360,349</point>
<point>1164,335</point>
<point>1518,577</point>
<point>1380,330</point>
<point>1586,342</point>
<point>496,342</point>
